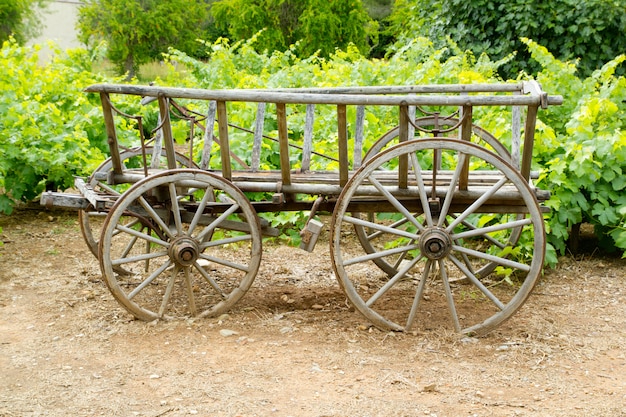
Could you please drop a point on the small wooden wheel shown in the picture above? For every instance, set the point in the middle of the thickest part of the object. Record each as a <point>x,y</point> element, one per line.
<point>442,236</point>
<point>194,252</point>
<point>90,221</point>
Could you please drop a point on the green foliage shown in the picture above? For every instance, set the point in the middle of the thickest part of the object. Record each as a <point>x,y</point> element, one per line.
<point>137,32</point>
<point>316,26</point>
<point>589,31</point>
<point>49,130</point>
<point>584,156</point>
<point>19,19</point>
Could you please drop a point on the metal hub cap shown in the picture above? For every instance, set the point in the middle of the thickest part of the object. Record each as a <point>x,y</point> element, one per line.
<point>184,251</point>
<point>435,243</point>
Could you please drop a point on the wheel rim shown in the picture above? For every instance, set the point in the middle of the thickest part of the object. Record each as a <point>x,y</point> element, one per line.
<point>449,244</point>
<point>479,136</point>
<point>91,221</point>
<point>197,258</point>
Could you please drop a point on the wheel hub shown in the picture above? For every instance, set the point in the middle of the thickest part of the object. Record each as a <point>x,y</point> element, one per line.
<point>435,243</point>
<point>184,251</point>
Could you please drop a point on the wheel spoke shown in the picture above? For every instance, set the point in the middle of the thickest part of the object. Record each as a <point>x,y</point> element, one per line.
<point>200,210</point>
<point>479,202</point>
<point>143,236</point>
<point>446,285</point>
<point>492,258</point>
<point>224,262</point>
<point>453,184</point>
<point>190,296</point>
<point>476,282</point>
<point>148,280</point>
<point>392,282</point>
<point>395,202</point>
<point>175,208</point>
<point>381,254</point>
<point>481,231</point>
<point>142,257</point>
<point>214,224</point>
<point>418,295</point>
<point>168,292</point>
<point>417,171</point>
<point>155,216</point>
<point>223,242</point>
<point>210,280</point>
<point>495,242</point>
<point>380,227</point>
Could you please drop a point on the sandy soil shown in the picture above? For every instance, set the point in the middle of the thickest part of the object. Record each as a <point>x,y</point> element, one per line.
<point>292,346</point>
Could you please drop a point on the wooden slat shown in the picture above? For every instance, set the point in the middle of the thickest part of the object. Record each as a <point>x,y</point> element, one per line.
<point>529,139</point>
<point>283,142</point>
<point>109,125</point>
<point>403,136</point>
<point>166,129</point>
<point>258,137</point>
<point>516,132</point>
<point>307,146</point>
<point>347,97</point>
<point>209,127</point>
<point>342,139</point>
<point>466,135</point>
<point>357,156</point>
<point>222,119</point>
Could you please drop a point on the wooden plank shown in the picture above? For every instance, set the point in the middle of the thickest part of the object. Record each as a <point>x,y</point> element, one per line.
<point>222,120</point>
<point>258,137</point>
<point>529,140</point>
<point>357,156</point>
<point>466,135</point>
<point>109,125</point>
<point>209,128</point>
<point>342,139</point>
<point>51,199</point>
<point>349,97</point>
<point>166,129</point>
<point>283,142</point>
<point>403,136</point>
<point>516,133</point>
<point>307,146</point>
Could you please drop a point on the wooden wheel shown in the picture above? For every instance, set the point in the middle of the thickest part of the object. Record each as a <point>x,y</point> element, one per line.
<point>91,221</point>
<point>462,228</point>
<point>429,123</point>
<point>190,240</point>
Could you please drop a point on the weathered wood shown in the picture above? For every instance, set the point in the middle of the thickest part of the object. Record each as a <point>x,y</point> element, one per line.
<point>258,137</point>
<point>109,125</point>
<point>466,135</point>
<point>529,140</point>
<point>348,97</point>
<point>516,133</point>
<point>166,129</point>
<point>403,136</point>
<point>307,146</point>
<point>283,138</point>
<point>209,127</point>
<point>222,119</point>
<point>342,139</point>
<point>357,155</point>
<point>76,202</point>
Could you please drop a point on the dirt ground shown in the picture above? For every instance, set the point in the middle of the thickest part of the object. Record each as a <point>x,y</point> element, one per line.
<point>292,346</point>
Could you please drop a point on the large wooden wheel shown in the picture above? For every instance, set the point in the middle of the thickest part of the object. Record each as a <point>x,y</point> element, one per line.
<point>190,241</point>
<point>428,124</point>
<point>445,236</point>
<point>91,221</point>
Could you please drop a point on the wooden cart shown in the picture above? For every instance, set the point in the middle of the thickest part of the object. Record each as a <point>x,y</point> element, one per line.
<point>436,202</point>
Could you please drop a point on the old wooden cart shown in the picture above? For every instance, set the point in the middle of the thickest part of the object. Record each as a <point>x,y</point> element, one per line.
<point>436,201</point>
